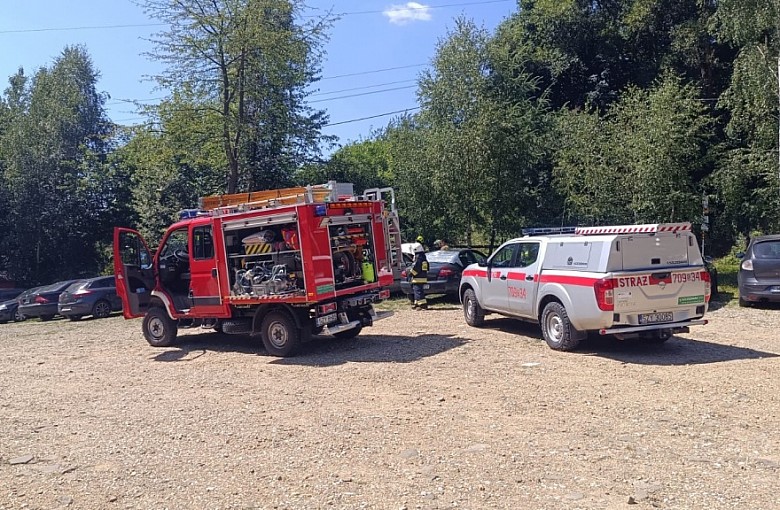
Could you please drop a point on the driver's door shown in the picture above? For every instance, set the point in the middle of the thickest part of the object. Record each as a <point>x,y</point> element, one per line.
<point>495,288</point>
<point>133,272</point>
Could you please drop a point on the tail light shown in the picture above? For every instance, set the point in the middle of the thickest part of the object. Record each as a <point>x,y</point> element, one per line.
<point>445,273</point>
<point>327,308</point>
<point>705,276</point>
<point>41,300</point>
<point>384,294</point>
<point>605,295</point>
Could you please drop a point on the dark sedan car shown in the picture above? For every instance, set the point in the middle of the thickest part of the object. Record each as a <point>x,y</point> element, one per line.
<point>444,270</point>
<point>43,302</point>
<point>95,296</point>
<point>758,279</point>
<point>9,308</point>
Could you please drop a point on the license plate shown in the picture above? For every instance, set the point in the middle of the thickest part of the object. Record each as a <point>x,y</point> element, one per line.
<point>427,286</point>
<point>326,319</point>
<point>654,318</point>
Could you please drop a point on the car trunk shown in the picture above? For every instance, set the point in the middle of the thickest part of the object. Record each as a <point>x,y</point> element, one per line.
<point>659,290</point>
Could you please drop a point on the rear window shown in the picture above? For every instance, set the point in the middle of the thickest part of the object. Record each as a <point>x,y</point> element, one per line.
<point>767,250</point>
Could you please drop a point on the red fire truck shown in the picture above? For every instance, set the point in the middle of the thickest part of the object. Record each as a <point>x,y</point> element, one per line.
<point>281,264</point>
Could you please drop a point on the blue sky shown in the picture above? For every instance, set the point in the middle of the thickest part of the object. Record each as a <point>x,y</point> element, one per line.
<point>370,35</point>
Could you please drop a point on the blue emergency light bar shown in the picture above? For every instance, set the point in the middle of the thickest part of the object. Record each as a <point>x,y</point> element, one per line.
<point>186,214</point>
<point>545,231</point>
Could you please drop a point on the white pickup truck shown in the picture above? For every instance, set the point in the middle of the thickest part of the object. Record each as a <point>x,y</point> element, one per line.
<point>646,281</point>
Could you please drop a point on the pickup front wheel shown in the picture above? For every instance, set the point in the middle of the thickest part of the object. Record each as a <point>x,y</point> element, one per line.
<point>473,313</point>
<point>159,329</point>
<point>557,329</point>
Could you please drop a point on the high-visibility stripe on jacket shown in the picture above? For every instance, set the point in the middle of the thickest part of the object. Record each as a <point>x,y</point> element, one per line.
<point>419,270</point>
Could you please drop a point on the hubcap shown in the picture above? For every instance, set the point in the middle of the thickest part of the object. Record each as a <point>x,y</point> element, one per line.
<point>101,310</point>
<point>554,327</point>
<point>156,327</point>
<point>469,308</point>
<point>277,334</point>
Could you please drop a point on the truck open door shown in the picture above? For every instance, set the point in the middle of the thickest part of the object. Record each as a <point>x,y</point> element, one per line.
<point>134,272</point>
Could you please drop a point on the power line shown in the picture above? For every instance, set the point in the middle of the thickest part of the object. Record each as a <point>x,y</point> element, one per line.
<point>371,117</point>
<point>362,88</point>
<point>325,125</point>
<point>362,94</point>
<point>371,72</point>
<point>147,25</point>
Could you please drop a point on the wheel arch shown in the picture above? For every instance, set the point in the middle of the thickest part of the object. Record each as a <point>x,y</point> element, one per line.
<point>263,310</point>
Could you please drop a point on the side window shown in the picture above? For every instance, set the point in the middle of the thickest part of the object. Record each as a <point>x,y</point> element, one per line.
<point>104,283</point>
<point>527,254</point>
<point>202,243</point>
<point>503,257</point>
<point>133,251</point>
<point>177,241</point>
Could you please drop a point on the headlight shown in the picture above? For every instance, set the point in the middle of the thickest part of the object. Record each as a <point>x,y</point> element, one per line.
<point>747,265</point>
<point>3,307</point>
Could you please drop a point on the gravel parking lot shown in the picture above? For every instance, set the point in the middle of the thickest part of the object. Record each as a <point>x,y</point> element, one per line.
<point>420,411</point>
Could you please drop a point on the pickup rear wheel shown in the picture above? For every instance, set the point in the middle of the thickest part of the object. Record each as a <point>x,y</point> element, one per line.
<point>159,329</point>
<point>280,335</point>
<point>557,329</point>
<point>473,313</point>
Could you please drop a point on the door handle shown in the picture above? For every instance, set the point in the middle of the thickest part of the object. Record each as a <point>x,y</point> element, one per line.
<point>503,277</point>
<point>214,273</point>
<point>530,278</point>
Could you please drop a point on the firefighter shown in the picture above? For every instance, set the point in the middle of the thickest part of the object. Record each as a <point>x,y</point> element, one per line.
<point>420,241</point>
<point>440,244</point>
<point>419,277</point>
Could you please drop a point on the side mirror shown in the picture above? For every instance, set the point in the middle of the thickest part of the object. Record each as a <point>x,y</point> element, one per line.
<point>482,263</point>
<point>740,255</point>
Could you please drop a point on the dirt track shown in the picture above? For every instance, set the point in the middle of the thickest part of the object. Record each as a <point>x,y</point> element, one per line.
<point>420,411</point>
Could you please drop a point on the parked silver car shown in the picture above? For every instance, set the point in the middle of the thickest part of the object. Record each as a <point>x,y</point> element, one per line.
<point>758,279</point>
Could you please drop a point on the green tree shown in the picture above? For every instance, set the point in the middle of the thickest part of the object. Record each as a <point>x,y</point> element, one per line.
<point>247,65</point>
<point>55,151</point>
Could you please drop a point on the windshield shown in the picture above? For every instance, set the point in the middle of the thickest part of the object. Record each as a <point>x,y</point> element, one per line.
<point>442,256</point>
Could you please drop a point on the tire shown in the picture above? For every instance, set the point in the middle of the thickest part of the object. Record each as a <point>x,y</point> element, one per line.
<point>350,333</point>
<point>74,318</point>
<point>557,329</point>
<point>280,334</point>
<point>19,316</point>
<point>159,329</point>
<point>45,318</point>
<point>101,309</point>
<point>472,312</point>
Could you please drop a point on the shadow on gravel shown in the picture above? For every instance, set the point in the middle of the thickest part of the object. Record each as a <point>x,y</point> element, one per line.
<point>328,351</point>
<point>322,351</point>
<point>676,351</point>
<point>191,347</point>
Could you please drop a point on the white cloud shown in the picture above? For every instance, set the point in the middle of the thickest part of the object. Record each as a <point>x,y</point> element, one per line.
<point>411,11</point>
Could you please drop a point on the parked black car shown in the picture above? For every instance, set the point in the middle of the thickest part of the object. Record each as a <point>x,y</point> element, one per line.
<point>43,302</point>
<point>758,279</point>
<point>444,270</point>
<point>9,308</point>
<point>6,294</point>
<point>95,296</point>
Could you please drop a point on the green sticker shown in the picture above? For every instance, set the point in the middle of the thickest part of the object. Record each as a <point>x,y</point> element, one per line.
<point>324,289</point>
<point>690,300</point>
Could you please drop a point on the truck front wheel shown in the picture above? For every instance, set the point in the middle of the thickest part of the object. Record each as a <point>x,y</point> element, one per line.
<point>159,329</point>
<point>280,335</point>
<point>474,314</point>
<point>557,329</point>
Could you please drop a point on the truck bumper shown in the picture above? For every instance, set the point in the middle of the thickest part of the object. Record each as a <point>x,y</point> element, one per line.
<point>678,327</point>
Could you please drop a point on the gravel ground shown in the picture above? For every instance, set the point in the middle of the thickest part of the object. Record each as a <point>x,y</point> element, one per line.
<point>420,411</point>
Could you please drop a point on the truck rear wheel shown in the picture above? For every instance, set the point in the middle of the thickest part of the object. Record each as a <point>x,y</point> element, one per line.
<point>159,329</point>
<point>473,313</point>
<point>557,329</point>
<point>280,335</point>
